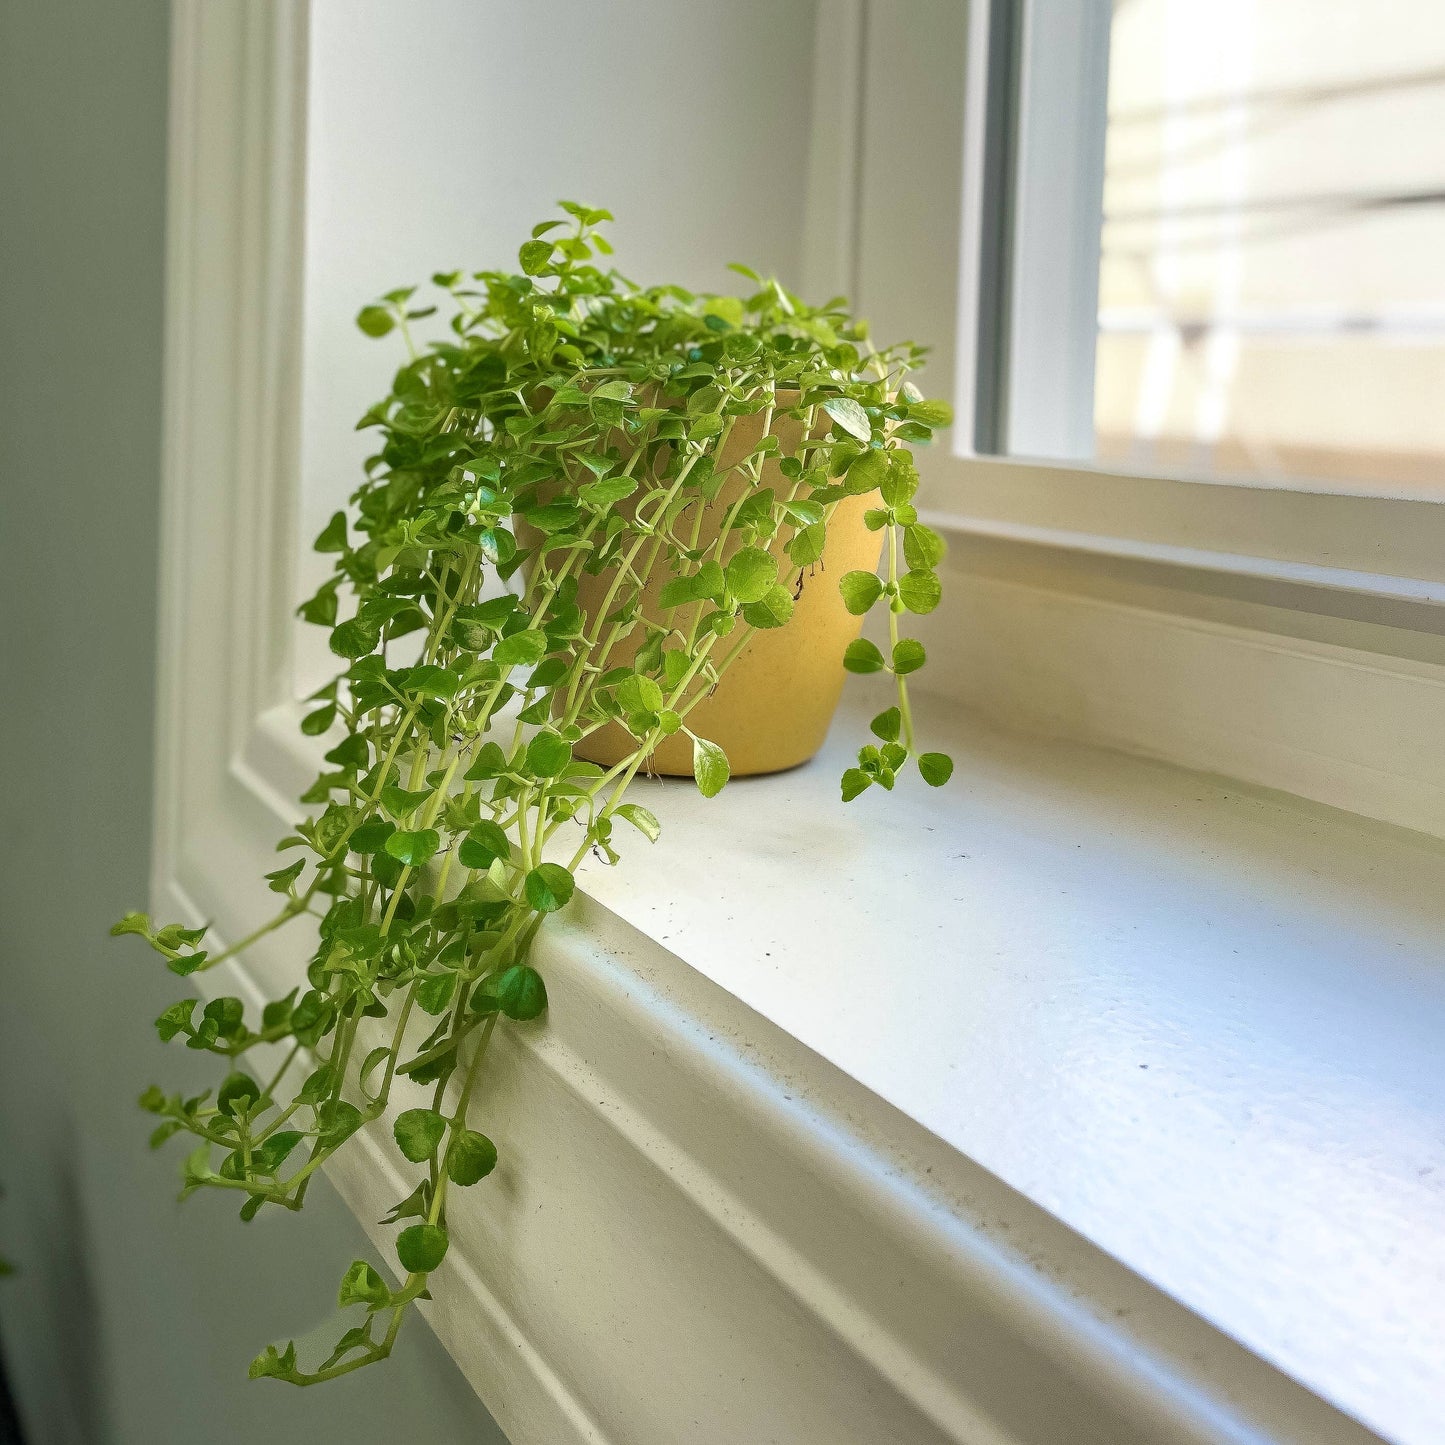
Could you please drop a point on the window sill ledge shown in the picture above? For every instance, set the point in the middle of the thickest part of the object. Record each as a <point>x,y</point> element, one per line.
<point>1196,1022</point>
<point>1087,1090</point>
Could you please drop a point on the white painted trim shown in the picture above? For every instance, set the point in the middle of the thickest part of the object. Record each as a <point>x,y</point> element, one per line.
<point>973,188</point>
<point>1234,529</point>
<point>708,1233</point>
<point>1058,212</point>
<point>1429,590</point>
<point>1326,528</point>
<point>1339,725</point>
<point>231,405</point>
<point>862,1280</point>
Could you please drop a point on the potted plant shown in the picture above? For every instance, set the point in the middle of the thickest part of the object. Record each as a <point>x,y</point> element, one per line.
<point>686,495</point>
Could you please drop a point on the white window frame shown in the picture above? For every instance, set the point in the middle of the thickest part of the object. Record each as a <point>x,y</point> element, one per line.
<point>923,252</point>
<point>1359,576</point>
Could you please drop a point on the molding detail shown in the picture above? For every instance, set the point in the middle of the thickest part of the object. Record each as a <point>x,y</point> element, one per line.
<point>235,221</point>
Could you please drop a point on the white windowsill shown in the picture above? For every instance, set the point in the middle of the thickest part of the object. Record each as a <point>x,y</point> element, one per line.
<point>1198,1023</point>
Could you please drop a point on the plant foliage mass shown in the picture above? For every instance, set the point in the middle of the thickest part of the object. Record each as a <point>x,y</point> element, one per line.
<point>570,424</point>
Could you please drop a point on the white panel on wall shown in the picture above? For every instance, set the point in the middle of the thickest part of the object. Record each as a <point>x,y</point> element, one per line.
<point>440,131</point>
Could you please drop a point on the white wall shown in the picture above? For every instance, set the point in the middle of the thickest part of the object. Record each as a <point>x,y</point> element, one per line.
<point>442,130</point>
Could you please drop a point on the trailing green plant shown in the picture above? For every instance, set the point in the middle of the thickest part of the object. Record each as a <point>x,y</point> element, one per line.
<point>454,810</point>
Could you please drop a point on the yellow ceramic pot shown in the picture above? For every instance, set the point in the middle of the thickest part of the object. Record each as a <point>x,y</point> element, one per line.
<point>772,708</point>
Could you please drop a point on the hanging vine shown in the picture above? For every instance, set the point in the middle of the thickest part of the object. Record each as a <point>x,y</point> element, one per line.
<point>571,424</point>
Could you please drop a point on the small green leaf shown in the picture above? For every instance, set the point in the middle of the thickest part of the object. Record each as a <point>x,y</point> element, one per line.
<point>860,591</point>
<point>421,1248</point>
<point>709,583</point>
<point>549,886</point>
<point>165,1131</point>
<point>435,992</point>
<point>132,923</point>
<point>176,1019</point>
<point>521,649</point>
<point>414,1206</point>
<point>862,656</point>
<point>402,804</point>
<point>850,416</point>
<point>920,591</point>
<point>534,256</point>
<point>333,535</point>
<point>418,1132</point>
<point>772,609</point>
<point>228,1015</point>
<point>806,546</point>
<point>937,768</point>
<point>866,472</point>
<point>520,992</point>
<point>483,845</point>
<point>413,848</point>
<point>371,837</point>
<point>187,964</point>
<point>548,755</point>
<point>375,320</point>
<point>174,935</point>
<point>355,638</point>
<point>606,493</point>
<point>709,767</point>
<point>636,693</point>
<point>901,481</point>
<point>931,413</point>
<point>277,1013</point>
<point>908,656</point>
<point>316,723</point>
<point>336,1122</point>
<point>887,725</point>
<point>750,573</point>
<point>269,1156</point>
<point>317,1085</point>
<point>855,781</point>
<point>430,681</point>
<point>470,1157</point>
<point>922,547</point>
<point>271,1363</point>
<point>677,592</point>
<point>490,762</point>
<point>641,819</point>
<point>238,1094</point>
<point>803,513</point>
<point>361,1285</point>
<point>320,609</point>
<point>281,880</point>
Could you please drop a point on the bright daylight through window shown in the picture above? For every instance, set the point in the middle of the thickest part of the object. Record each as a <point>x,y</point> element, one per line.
<point>1271,297</point>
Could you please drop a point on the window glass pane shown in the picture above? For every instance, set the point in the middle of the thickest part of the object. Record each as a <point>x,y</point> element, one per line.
<point>1272,283</point>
